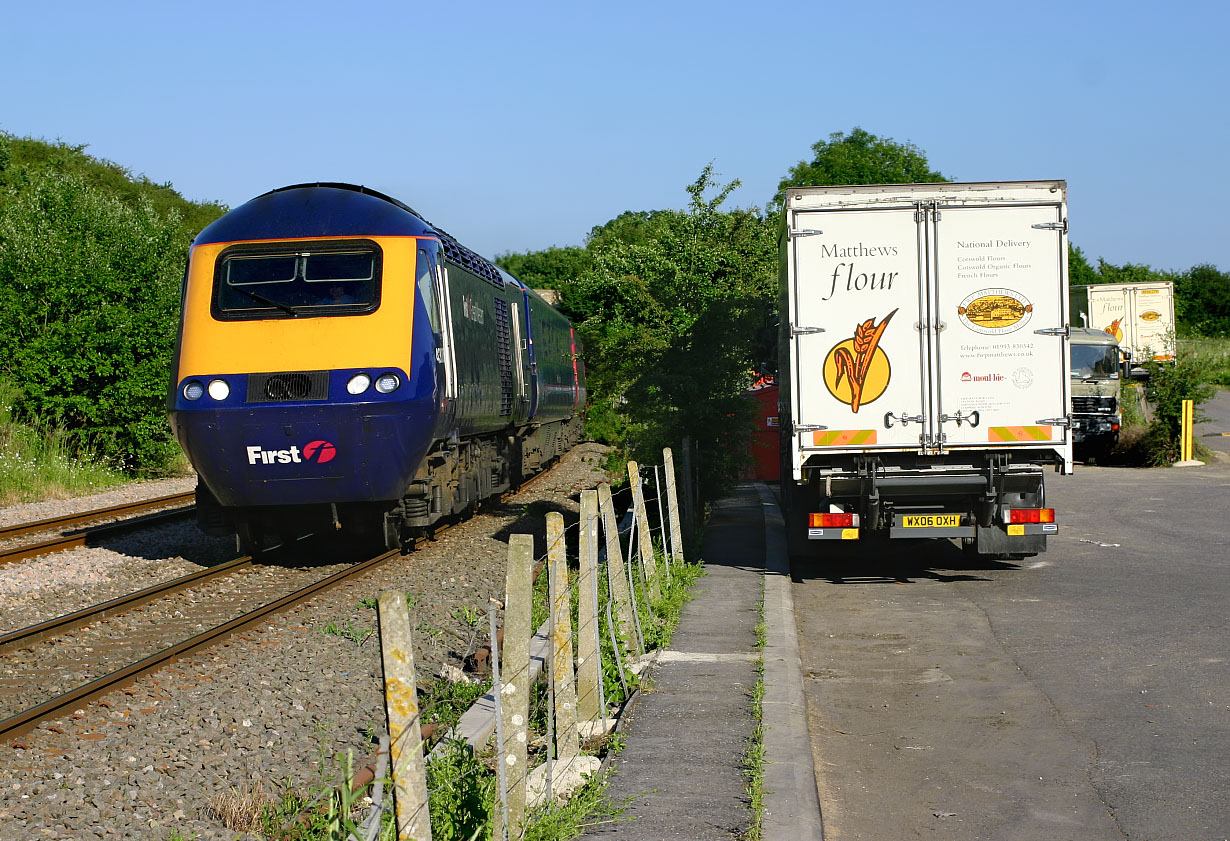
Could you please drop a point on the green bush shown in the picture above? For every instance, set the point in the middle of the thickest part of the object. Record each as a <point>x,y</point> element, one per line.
<point>1168,386</point>
<point>670,312</point>
<point>88,312</point>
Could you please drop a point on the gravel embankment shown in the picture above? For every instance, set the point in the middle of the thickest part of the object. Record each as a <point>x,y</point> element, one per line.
<point>262,709</point>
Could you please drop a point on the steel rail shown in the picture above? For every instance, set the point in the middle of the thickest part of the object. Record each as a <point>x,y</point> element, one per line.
<point>27,719</point>
<point>69,520</point>
<point>121,604</point>
<point>83,536</point>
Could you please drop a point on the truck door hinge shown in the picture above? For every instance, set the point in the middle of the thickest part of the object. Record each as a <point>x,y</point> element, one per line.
<point>809,427</point>
<point>1064,421</point>
<point>938,327</point>
<point>796,330</point>
<point>1065,331</point>
<point>1052,226</point>
<point>803,232</point>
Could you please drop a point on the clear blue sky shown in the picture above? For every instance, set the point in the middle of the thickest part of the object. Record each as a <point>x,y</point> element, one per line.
<point>517,126</point>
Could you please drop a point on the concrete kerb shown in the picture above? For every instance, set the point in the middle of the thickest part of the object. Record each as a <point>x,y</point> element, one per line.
<point>791,801</point>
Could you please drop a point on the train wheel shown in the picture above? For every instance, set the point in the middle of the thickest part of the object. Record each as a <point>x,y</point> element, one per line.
<point>248,539</point>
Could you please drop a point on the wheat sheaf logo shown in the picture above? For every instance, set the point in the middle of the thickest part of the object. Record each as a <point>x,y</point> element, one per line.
<point>857,370</point>
<point>1113,329</point>
<point>1150,315</point>
<point>995,311</point>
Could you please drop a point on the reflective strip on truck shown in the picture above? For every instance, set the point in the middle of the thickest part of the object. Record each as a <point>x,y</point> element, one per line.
<point>843,437</point>
<point>1018,433</point>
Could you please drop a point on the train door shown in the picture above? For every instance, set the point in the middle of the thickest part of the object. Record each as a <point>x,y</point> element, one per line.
<point>518,363</point>
<point>530,358</point>
<point>432,287</point>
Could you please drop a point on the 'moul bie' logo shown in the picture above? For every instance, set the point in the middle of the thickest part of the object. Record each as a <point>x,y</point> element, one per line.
<point>995,311</point>
<point>1150,315</point>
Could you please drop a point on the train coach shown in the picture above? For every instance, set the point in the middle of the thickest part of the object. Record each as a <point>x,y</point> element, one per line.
<point>343,364</point>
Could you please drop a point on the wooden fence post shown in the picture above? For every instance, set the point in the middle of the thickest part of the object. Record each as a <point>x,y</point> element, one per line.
<point>644,537</point>
<point>672,499</point>
<point>589,671</point>
<point>515,678</point>
<point>617,576</point>
<point>567,738</point>
<point>402,707</point>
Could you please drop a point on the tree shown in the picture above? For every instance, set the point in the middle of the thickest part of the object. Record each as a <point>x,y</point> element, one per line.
<point>1202,301</point>
<point>547,269</point>
<point>89,291</point>
<point>28,159</point>
<point>858,158</point>
<point>1080,273</point>
<point>669,315</point>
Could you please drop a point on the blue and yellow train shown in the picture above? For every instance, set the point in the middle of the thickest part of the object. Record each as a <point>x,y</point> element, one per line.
<point>344,364</point>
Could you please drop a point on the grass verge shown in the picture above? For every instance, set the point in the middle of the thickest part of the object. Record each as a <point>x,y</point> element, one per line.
<point>753,758</point>
<point>36,463</point>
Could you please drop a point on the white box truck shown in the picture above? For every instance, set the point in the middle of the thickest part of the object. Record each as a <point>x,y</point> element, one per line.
<point>1139,315</point>
<point>924,362</point>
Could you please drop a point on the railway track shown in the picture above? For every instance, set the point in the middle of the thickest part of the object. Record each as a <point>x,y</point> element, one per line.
<point>72,531</point>
<point>50,654</point>
<point>26,659</point>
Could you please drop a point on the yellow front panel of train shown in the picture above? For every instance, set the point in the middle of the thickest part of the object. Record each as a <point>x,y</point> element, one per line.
<point>380,339</point>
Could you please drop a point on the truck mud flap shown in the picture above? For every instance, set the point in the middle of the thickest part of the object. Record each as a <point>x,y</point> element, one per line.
<point>996,541</point>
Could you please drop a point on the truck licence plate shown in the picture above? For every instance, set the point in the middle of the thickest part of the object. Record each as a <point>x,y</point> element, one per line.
<point>930,521</point>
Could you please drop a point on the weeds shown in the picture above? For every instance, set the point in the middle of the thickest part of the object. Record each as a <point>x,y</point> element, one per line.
<point>37,460</point>
<point>238,809</point>
<point>753,758</point>
<point>348,631</point>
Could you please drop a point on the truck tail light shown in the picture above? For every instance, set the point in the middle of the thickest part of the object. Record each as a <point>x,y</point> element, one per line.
<point>831,521</point>
<point>1031,515</point>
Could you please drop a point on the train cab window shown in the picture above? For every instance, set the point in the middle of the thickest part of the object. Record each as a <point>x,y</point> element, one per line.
<point>318,280</point>
<point>425,281</point>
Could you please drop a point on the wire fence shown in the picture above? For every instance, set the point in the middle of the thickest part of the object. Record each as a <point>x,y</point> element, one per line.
<point>564,651</point>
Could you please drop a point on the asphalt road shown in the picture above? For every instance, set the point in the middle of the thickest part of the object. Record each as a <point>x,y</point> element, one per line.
<point>1214,433</point>
<point>1082,694</point>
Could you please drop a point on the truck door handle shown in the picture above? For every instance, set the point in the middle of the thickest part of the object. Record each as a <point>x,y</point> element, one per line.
<point>904,420</point>
<point>972,418</point>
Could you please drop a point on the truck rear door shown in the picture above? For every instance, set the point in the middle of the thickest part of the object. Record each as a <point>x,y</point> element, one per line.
<point>928,325</point>
<point>1001,378</point>
<point>1152,318</point>
<point>858,353</point>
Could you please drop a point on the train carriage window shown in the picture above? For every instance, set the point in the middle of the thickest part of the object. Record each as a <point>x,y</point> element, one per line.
<point>318,279</point>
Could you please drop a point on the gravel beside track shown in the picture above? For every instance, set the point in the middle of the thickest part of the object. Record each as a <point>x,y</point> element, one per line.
<point>265,708</point>
<point>30,511</point>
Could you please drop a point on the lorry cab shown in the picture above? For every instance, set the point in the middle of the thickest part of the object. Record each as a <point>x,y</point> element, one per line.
<point>1096,408</point>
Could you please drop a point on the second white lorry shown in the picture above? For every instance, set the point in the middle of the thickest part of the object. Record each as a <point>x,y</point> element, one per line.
<point>1139,315</point>
<point>923,362</point>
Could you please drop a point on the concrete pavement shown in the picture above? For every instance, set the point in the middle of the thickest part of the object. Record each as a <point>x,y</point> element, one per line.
<point>688,732</point>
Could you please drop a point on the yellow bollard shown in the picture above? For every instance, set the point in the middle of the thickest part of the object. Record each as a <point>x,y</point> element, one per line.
<point>1185,441</point>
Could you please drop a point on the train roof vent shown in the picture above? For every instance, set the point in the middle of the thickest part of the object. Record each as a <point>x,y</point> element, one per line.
<point>288,387</point>
<point>467,259</point>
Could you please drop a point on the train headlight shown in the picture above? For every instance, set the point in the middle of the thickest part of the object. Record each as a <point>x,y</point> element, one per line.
<point>193,390</point>
<point>219,390</point>
<point>359,383</point>
<point>387,383</point>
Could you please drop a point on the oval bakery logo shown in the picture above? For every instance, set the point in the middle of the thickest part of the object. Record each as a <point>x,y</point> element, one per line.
<point>995,311</point>
<point>1150,315</point>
